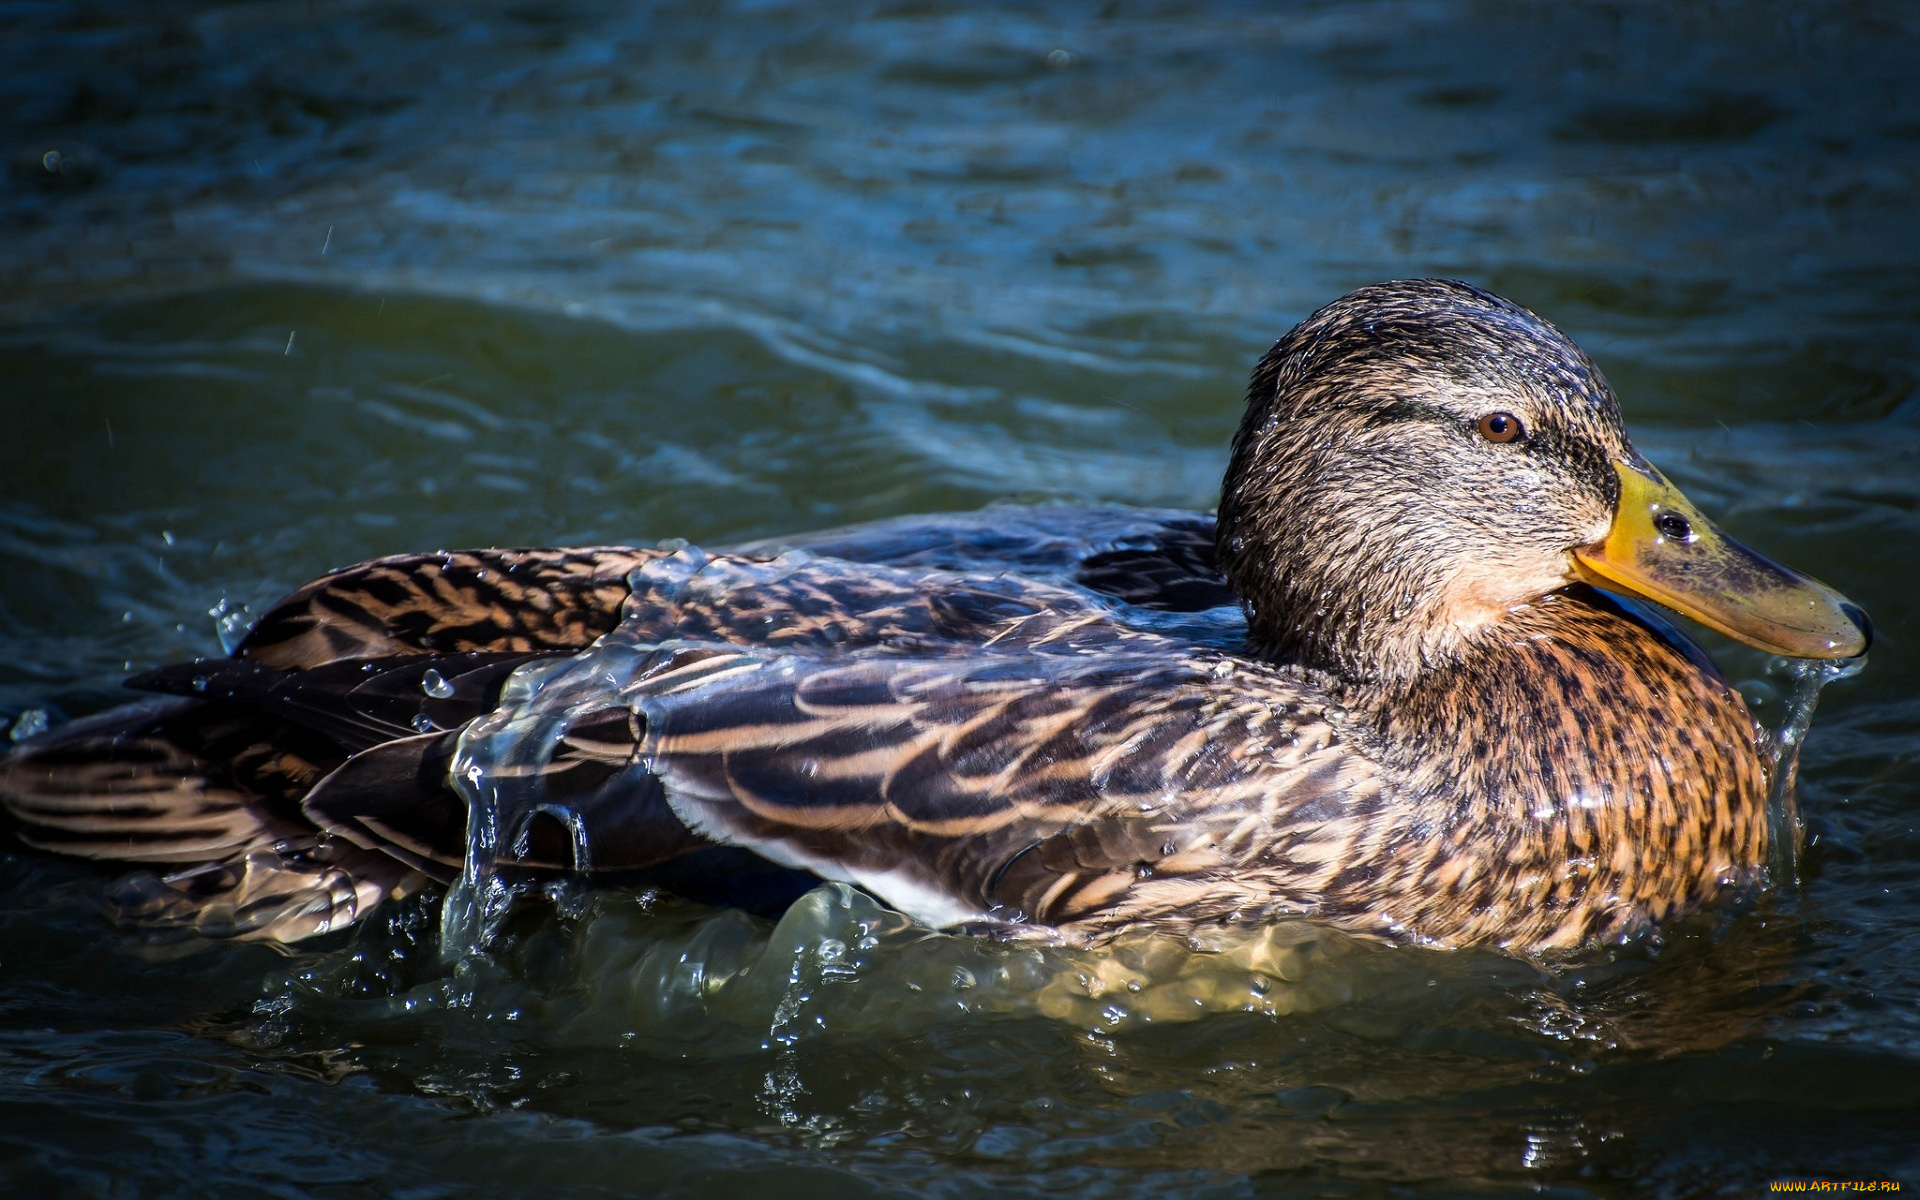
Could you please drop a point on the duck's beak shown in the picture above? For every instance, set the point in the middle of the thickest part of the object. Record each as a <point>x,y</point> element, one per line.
<point>1660,547</point>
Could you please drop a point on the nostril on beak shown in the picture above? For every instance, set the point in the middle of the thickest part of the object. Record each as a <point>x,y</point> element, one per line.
<point>1858,616</point>
<point>1673,527</point>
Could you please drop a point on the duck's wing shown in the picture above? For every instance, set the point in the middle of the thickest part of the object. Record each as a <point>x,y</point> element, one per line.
<point>1147,557</point>
<point>395,792</point>
<point>336,712</point>
<point>209,788</point>
<point>1176,569</point>
<point>223,768</point>
<point>279,804</point>
<point>971,748</point>
<point>1026,789</point>
<point>492,601</point>
<point>317,758</point>
<point>1012,787</point>
<point>197,792</point>
<point>531,600</point>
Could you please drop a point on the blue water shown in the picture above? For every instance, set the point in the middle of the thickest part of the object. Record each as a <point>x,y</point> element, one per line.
<point>311,282</point>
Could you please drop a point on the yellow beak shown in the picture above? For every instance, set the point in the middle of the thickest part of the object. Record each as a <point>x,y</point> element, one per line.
<point>1660,547</point>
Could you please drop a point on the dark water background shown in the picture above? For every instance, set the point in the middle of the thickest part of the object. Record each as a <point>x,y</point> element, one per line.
<point>313,282</point>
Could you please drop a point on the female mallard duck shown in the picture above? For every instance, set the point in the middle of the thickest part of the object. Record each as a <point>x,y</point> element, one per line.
<point>1430,724</point>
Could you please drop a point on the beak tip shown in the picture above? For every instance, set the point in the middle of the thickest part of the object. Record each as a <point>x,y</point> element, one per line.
<point>1858,616</point>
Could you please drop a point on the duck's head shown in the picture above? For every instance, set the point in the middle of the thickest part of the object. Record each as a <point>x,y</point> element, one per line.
<point>1420,458</point>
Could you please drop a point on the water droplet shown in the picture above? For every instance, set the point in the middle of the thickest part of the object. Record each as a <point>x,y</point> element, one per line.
<point>1059,60</point>
<point>200,683</point>
<point>962,979</point>
<point>229,624</point>
<point>30,723</point>
<point>434,684</point>
<point>52,161</point>
<point>422,723</point>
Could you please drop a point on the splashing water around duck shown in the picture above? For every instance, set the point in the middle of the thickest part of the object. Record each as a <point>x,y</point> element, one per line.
<point>510,744</point>
<point>1784,826</point>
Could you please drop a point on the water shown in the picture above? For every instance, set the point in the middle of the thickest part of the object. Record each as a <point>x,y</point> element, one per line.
<point>1786,831</point>
<point>311,283</point>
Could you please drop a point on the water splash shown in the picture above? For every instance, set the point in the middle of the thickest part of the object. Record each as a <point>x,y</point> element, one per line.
<point>839,962</point>
<point>30,723</point>
<point>231,621</point>
<point>501,765</point>
<point>496,769</point>
<point>1785,830</point>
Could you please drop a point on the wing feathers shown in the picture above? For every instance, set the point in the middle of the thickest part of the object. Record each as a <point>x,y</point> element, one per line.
<point>498,601</point>
<point>977,747</point>
<point>1056,789</point>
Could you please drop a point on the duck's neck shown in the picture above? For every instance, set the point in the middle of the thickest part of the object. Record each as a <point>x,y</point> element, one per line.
<point>1428,625</point>
<point>1618,776</point>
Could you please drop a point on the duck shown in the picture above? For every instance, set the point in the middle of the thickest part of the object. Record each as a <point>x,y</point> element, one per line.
<point>1413,680</point>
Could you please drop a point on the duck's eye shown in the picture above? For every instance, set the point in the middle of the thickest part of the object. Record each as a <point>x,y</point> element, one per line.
<point>1501,427</point>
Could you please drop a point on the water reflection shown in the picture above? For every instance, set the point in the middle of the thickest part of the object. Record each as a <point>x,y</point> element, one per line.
<point>845,1028</point>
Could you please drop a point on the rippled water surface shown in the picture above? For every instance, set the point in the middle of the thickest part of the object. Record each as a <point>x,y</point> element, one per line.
<point>289,285</point>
